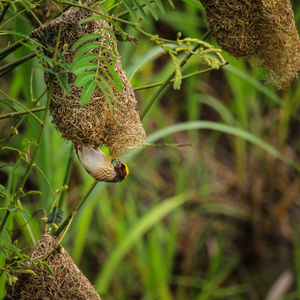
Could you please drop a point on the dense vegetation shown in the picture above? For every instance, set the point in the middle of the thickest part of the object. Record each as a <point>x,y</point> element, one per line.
<point>210,209</point>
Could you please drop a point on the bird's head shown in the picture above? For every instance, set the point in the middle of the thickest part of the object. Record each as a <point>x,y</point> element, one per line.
<point>121,170</point>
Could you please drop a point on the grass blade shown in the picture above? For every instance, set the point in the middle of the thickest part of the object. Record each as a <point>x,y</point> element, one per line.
<point>196,125</point>
<point>151,218</point>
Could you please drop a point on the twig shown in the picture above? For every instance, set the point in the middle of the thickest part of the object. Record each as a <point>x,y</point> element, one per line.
<point>75,211</point>
<point>150,86</point>
<point>23,112</point>
<point>8,50</point>
<point>4,12</point>
<point>20,121</point>
<point>30,165</point>
<point>20,104</point>
<point>158,92</point>
<point>67,177</point>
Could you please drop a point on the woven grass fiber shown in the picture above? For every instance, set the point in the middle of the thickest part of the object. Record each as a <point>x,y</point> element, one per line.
<point>91,124</point>
<point>262,32</point>
<point>67,283</point>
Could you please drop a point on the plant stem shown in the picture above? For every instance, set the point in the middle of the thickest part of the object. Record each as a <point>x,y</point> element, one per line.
<point>23,112</point>
<point>149,86</point>
<point>19,122</point>
<point>27,224</point>
<point>168,80</point>
<point>4,220</point>
<point>75,211</point>
<point>20,104</point>
<point>8,50</point>
<point>67,176</point>
<point>4,12</point>
<point>30,165</point>
<point>10,66</point>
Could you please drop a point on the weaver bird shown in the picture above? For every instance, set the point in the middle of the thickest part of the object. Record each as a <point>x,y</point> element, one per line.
<point>99,166</point>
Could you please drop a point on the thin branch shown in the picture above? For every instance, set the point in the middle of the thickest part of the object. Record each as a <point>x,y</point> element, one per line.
<point>168,80</point>
<point>20,121</point>
<point>30,165</point>
<point>23,112</point>
<point>67,176</point>
<point>149,86</point>
<point>23,106</point>
<point>10,66</point>
<point>4,12</point>
<point>75,211</point>
<point>8,50</point>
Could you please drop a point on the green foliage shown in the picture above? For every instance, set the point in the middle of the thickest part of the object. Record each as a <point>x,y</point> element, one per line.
<point>178,226</point>
<point>16,261</point>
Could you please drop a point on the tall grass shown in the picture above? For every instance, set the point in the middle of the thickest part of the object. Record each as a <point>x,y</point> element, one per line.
<point>190,222</point>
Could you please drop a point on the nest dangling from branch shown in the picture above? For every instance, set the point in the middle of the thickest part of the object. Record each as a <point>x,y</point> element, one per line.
<point>260,31</point>
<point>67,283</point>
<point>93,123</point>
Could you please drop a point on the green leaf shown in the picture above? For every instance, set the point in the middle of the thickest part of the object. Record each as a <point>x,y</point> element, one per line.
<point>19,34</point>
<point>26,216</point>
<point>87,92</point>
<point>98,17</point>
<point>134,234</point>
<point>114,74</point>
<point>85,48</point>
<point>83,59</point>
<point>112,55</point>
<point>195,3</point>
<point>102,8</point>
<point>172,4</point>
<point>159,4</point>
<point>4,252</point>
<point>130,10</point>
<point>140,9</point>
<point>49,269</point>
<point>49,70</point>
<point>47,59</point>
<point>119,88</point>
<point>152,10</point>
<point>111,33</point>
<point>196,125</point>
<point>104,91</point>
<point>85,38</point>
<point>65,66</point>
<point>32,192</point>
<point>112,47</point>
<point>83,78</point>
<point>11,279</point>
<point>108,88</point>
<point>64,83</point>
<point>12,209</point>
<point>120,30</point>
<point>62,62</point>
<point>83,67</point>
<point>4,192</point>
<point>26,143</point>
<point>8,102</point>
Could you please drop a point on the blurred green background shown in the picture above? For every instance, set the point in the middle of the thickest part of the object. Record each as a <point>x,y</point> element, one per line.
<point>215,218</point>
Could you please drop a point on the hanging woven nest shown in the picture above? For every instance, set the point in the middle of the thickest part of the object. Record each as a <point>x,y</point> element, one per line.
<point>67,283</point>
<point>94,124</point>
<point>260,31</point>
